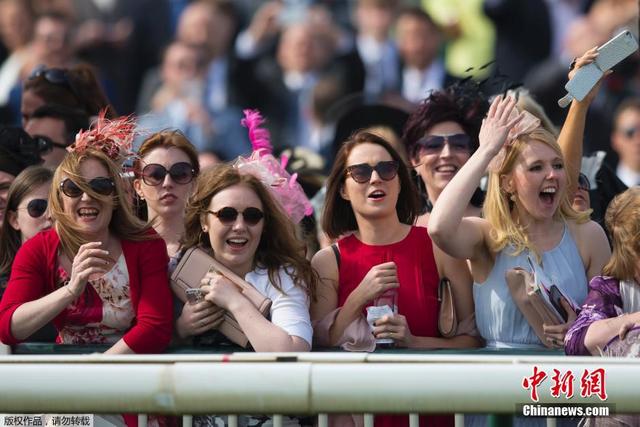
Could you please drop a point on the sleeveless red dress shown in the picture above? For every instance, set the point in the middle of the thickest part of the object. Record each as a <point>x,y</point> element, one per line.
<point>417,295</point>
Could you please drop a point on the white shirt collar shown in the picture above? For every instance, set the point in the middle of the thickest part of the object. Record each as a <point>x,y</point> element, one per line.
<point>627,175</point>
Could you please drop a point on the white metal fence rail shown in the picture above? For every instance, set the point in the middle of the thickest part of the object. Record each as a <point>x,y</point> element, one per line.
<point>305,383</point>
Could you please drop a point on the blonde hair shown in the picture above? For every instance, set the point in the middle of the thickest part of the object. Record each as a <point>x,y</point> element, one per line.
<point>621,220</point>
<point>124,224</point>
<point>498,208</point>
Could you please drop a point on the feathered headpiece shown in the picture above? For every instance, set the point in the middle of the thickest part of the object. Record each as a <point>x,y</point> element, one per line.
<point>113,137</point>
<point>271,172</point>
<point>528,124</point>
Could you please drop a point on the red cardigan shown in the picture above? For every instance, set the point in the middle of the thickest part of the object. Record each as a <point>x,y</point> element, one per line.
<point>33,276</point>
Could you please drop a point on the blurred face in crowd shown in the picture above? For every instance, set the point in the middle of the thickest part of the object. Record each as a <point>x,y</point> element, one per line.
<point>376,197</point>
<point>418,41</point>
<point>181,64</point>
<point>165,196</point>
<point>438,159</point>
<point>31,217</point>
<point>374,20</point>
<point>235,241</point>
<point>581,199</point>
<point>626,138</point>
<point>51,42</point>
<point>29,103</point>
<point>15,24</point>
<point>297,50</point>
<point>207,27</point>
<point>54,129</point>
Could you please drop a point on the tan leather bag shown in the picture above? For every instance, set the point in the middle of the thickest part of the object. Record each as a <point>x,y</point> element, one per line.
<point>193,266</point>
<point>447,318</point>
<point>522,285</point>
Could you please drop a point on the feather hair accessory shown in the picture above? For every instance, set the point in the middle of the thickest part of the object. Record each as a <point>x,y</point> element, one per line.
<point>113,137</point>
<point>271,172</point>
<point>528,124</point>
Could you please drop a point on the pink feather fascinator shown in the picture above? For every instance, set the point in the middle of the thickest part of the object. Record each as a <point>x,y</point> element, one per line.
<point>113,137</point>
<point>270,171</point>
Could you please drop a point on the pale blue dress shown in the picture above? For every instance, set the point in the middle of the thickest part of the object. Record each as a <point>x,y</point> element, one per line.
<point>499,320</point>
<point>501,323</point>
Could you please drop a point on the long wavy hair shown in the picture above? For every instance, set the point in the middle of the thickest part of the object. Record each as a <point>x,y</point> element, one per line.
<point>621,220</point>
<point>11,239</point>
<point>278,247</point>
<point>498,208</point>
<point>124,224</point>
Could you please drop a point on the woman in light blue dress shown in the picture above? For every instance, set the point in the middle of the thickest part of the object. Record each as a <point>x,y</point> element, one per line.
<point>527,215</point>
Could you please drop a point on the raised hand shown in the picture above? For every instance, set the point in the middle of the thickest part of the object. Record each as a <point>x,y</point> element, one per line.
<point>89,260</point>
<point>378,280</point>
<point>496,126</point>
<point>587,58</point>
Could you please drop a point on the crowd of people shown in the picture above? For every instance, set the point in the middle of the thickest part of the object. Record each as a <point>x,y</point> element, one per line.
<point>378,171</point>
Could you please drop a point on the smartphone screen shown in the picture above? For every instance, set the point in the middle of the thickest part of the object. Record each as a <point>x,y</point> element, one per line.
<point>554,296</point>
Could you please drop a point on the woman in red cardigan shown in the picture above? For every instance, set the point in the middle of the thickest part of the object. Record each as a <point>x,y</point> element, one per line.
<point>100,274</point>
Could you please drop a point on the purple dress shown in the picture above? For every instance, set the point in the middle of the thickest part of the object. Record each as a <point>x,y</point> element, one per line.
<point>603,302</point>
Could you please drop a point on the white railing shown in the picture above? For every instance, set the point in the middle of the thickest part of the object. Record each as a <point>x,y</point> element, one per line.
<point>304,383</point>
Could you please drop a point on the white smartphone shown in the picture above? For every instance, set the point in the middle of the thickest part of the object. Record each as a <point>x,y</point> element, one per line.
<point>609,54</point>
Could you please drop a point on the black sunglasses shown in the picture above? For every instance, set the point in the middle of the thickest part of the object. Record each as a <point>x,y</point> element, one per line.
<point>583,182</point>
<point>102,186</point>
<point>435,143</point>
<point>228,215</point>
<point>180,173</point>
<point>361,172</point>
<point>46,144</point>
<point>36,208</point>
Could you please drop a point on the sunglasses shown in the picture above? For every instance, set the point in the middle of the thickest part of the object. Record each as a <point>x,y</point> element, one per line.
<point>435,143</point>
<point>180,173</point>
<point>56,76</point>
<point>46,144</point>
<point>583,182</point>
<point>102,186</point>
<point>630,132</point>
<point>36,208</point>
<point>228,215</point>
<point>361,172</point>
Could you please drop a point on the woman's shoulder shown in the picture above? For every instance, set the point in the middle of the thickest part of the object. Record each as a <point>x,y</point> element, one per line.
<point>44,239</point>
<point>604,284</point>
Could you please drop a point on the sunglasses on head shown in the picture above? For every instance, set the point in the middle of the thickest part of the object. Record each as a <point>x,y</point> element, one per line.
<point>435,143</point>
<point>36,208</point>
<point>228,215</point>
<point>180,173</point>
<point>583,182</point>
<point>102,186</point>
<point>56,76</point>
<point>361,172</point>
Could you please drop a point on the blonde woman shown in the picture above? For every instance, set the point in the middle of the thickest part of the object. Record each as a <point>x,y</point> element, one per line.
<point>527,214</point>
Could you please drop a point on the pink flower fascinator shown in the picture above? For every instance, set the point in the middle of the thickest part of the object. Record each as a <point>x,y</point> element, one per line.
<point>528,124</point>
<point>113,137</point>
<point>270,171</point>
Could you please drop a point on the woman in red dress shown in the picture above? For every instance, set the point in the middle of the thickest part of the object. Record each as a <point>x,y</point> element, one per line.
<point>373,204</point>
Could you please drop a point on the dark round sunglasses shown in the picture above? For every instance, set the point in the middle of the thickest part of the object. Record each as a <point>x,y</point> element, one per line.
<point>102,186</point>
<point>180,173</point>
<point>228,215</point>
<point>435,143</point>
<point>583,182</point>
<point>36,208</point>
<point>361,172</point>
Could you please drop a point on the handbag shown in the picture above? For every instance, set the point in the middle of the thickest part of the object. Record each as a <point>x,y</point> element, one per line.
<point>447,318</point>
<point>526,293</point>
<point>193,266</point>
